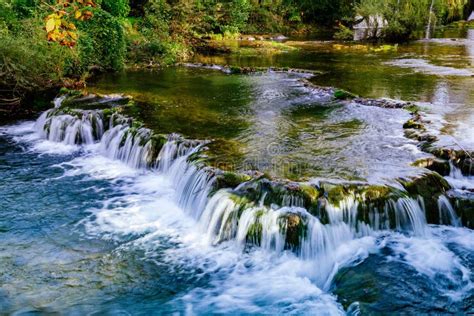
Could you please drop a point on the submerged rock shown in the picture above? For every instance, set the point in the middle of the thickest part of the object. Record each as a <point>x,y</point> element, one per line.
<point>232,69</point>
<point>383,103</point>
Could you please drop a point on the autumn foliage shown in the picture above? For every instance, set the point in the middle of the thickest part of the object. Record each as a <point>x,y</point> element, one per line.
<point>60,25</point>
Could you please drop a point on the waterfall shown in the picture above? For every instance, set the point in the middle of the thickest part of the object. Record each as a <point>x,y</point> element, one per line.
<point>132,147</point>
<point>403,214</point>
<point>75,128</point>
<point>192,184</point>
<point>458,181</point>
<point>240,214</point>
<point>447,215</point>
<point>455,172</point>
<point>59,101</point>
<point>229,216</point>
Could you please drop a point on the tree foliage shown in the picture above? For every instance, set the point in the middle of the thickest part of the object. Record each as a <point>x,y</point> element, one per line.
<point>101,42</point>
<point>118,8</point>
<point>48,42</point>
<point>59,24</point>
<point>405,17</point>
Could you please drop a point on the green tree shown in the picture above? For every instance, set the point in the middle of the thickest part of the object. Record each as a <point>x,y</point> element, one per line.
<point>118,8</point>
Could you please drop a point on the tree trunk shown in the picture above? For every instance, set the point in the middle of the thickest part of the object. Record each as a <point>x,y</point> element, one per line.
<point>428,27</point>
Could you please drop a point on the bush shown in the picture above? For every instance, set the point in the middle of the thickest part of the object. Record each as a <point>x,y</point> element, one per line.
<point>118,8</point>
<point>344,33</point>
<point>28,62</point>
<point>24,8</point>
<point>101,42</point>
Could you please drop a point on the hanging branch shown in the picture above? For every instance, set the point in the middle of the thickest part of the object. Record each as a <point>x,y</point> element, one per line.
<point>59,24</point>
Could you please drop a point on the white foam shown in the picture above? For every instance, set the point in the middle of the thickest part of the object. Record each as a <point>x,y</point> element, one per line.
<point>164,207</point>
<point>432,258</point>
<point>25,133</point>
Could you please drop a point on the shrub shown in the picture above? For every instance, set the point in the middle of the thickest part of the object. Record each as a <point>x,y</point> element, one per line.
<point>118,8</point>
<point>344,33</point>
<point>28,62</point>
<point>101,42</point>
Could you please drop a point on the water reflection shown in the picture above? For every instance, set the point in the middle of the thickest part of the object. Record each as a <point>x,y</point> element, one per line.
<point>267,121</point>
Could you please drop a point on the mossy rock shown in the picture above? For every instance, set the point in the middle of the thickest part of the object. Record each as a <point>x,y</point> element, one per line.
<point>376,192</point>
<point>440,166</point>
<point>429,186</point>
<point>413,125</point>
<point>296,230</point>
<point>231,179</point>
<point>465,210</point>
<point>335,193</point>
<point>310,192</point>
<point>459,158</point>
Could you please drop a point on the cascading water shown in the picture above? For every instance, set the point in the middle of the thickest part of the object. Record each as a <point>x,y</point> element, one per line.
<point>459,181</point>
<point>70,129</point>
<point>223,217</point>
<point>447,215</point>
<point>229,216</point>
<point>131,147</point>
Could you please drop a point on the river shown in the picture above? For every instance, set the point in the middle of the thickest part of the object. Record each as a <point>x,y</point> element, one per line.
<point>95,222</point>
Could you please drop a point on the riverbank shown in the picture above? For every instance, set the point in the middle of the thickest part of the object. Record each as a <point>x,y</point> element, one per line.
<point>138,43</point>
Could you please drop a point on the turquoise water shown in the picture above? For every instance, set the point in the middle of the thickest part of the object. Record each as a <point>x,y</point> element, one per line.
<point>83,231</point>
<point>85,234</point>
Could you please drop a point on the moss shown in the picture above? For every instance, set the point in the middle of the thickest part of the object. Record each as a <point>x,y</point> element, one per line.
<point>240,200</point>
<point>296,230</point>
<point>413,124</point>
<point>375,192</point>
<point>427,185</point>
<point>259,214</point>
<point>340,94</point>
<point>414,109</point>
<point>254,234</point>
<point>440,166</point>
<point>107,113</point>
<point>71,92</point>
<point>310,192</point>
<point>235,70</point>
<point>66,111</point>
<point>231,179</point>
<point>137,124</point>
<point>335,194</point>
<point>465,210</point>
